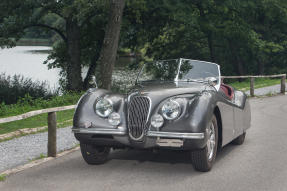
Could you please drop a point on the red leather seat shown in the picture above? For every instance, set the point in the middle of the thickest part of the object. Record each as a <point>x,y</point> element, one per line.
<point>228,90</point>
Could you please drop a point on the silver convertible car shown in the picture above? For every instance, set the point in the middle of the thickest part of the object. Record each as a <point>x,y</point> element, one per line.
<point>175,104</point>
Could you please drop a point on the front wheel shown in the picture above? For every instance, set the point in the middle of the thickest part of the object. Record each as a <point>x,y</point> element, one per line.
<point>93,154</point>
<point>203,159</point>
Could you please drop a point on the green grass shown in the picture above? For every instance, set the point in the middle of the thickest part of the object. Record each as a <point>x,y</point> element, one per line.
<point>39,157</point>
<point>258,83</point>
<point>2,177</point>
<point>28,104</point>
<point>37,121</point>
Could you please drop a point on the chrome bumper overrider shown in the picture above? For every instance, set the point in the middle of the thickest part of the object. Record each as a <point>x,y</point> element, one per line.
<point>175,135</point>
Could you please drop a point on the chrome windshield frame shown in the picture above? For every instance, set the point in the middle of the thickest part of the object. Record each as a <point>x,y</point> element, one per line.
<point>217,86</point>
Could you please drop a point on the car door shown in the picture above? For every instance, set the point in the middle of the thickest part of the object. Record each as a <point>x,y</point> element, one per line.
<point>227,118</point>
<point>238,112</point>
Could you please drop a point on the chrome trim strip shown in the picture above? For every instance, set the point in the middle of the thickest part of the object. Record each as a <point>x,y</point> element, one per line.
<point>175,135</point>
<point>136,139</point>
<point>99,131</point>
<point>178,69</point>
<point>149,110</point>
<point>132,94</point>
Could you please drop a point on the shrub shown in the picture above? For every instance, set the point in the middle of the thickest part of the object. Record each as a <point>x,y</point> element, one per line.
<point>123,79</point>
<point>14,88</point>
<point>27,104</point>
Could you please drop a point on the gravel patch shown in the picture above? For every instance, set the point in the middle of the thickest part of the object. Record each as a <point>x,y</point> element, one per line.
<point>20,150</point>
<point>266,90</point>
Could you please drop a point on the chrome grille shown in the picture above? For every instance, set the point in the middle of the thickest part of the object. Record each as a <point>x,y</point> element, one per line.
<point>138,112</point>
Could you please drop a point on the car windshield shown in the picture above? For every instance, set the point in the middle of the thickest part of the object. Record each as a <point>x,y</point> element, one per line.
<point>179,70</point>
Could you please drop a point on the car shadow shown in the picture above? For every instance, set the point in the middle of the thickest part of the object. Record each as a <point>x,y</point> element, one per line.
<point>164,155</point>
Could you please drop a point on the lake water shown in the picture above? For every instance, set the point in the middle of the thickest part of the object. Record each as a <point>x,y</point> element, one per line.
<point>28,61</point>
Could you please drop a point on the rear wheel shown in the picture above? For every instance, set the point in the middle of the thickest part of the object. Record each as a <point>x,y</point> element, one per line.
<point>203,159</point>
<point>239,140</point>
<point>93,154</point>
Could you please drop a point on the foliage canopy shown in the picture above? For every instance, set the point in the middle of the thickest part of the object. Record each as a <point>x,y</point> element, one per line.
<point>243,36</point>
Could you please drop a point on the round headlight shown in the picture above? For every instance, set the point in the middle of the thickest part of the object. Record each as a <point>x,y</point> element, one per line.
<point>170,110</point>
<point>157,121</point>
<point>103,107</point>
<point>114,119</point>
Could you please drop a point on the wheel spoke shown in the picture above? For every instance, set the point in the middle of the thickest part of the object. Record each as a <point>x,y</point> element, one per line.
<point>211,141</point>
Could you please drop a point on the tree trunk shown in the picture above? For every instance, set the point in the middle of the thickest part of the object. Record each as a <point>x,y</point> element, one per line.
<point>74,77</point>
<point>110,44</point>
<point>211,47</point>
<point>234,53</point>
<point>240,66</point>
<point>261,67</point>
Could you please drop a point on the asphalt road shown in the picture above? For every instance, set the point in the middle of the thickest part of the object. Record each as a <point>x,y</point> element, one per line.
<point>258,164</point>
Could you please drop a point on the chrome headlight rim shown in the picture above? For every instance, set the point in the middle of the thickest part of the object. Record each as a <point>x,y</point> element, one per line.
<point>164,113</point>
<point>111,108</point>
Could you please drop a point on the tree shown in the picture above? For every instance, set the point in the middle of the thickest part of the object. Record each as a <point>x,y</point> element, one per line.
<point>74,15</point>
<point>110,45</point>
<point>244,37</point>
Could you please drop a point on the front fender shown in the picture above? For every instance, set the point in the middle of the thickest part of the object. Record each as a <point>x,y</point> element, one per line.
<point>85,115</point>
<point>197,115</point>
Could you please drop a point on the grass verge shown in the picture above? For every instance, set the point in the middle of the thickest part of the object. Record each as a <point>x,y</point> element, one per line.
<point>27,104</point>
<point>60,125</point>
<point>39,157</point>
<point>37,121</point>
<point>258,83</point>
<point>2,177</point>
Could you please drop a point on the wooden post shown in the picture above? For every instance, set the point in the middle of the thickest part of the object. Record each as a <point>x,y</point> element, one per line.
<point>283,84</point>
<point>252,86</point>
<point>52,134</point>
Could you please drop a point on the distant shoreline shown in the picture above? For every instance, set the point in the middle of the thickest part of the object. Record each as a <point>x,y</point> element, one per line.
<point>34,42</point>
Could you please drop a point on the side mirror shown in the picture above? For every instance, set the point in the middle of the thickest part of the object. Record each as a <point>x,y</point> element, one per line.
<point>93,81</point>
<point>211,81</point>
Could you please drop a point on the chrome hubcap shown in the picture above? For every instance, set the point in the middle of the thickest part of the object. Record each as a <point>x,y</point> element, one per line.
<point>210,141</point>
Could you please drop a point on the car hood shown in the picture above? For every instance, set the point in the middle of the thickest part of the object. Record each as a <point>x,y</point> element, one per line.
<point>167,89</point>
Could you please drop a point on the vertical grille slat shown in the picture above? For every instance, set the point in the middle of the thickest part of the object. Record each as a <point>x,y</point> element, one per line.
<point>137,116</point>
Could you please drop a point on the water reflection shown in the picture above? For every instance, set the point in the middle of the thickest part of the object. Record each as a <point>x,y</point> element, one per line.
<point>28,61</point>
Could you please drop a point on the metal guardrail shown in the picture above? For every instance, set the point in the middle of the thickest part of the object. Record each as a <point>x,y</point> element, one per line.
<point>52,124</point>
<point>252,78</point>
<point>52,118</point>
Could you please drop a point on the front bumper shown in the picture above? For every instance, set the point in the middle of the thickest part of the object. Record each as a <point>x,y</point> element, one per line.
<point>175,135</point>
<point>102,131</point>
<point>118,137</point>
<point>121,131</point>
